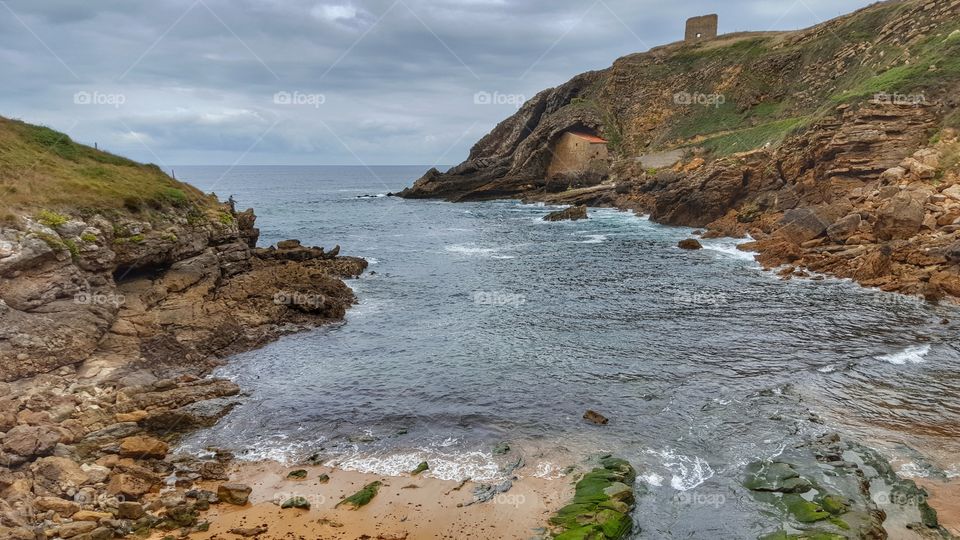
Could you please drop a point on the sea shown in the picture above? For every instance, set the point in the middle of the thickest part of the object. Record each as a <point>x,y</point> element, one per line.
<point>479,324</point>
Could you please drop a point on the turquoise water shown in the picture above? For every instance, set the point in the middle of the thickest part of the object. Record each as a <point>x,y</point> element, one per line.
<point>480,323</point>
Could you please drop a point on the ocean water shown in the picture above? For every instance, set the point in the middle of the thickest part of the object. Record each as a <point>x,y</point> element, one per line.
<point>479,323</point>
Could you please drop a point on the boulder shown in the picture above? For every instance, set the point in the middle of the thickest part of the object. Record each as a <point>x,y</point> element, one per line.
<point>69,530</point>
<point>59,471</point>
<point>595,417</point>
<point>130,510</point>
<point>29,441</point>
<point>844,228</point>
<point>63,507</point>
<point>953,192</point>
<point>690,243</point>
<point>234,493</point>
<point>288,244</point>
<point>141,446</point>
<point>952,252</point>
<point>128,486</point>
<point>569,214</point>
<point>900,217</point>
<point>799,225</point>
<point>893,175</point>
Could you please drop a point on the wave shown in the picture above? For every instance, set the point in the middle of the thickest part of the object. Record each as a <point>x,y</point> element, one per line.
<point>688,472</point>
<point>455,466</point>
<point>473,250</point>
<point>729,247</point>
<point>594,239</point>
<point>910,355</point>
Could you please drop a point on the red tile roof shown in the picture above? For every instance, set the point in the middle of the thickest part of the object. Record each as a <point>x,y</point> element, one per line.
<point>588,137</point>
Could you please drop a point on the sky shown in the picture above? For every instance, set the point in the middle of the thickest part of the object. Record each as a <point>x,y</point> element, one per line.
<point>324,82</point>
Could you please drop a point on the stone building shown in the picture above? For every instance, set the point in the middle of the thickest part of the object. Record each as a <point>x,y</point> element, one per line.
<point>701,28</point>
<point>577,152</point>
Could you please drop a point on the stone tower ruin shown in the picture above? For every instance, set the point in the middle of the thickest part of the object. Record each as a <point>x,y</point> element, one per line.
<point>701,28</point>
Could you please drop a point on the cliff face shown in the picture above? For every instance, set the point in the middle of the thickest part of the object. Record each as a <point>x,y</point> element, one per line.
<point>162,277</point>
<point>751,133</point>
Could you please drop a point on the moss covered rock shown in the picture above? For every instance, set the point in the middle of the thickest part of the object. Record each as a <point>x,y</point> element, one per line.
<point>602,501</point>
<point>362,497</point>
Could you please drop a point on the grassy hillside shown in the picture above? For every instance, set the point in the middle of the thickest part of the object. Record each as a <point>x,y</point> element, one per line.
<point>758,88</point>
<point>44,171</point>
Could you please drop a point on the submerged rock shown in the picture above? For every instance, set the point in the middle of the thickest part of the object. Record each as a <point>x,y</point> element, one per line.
<point>572,214</point>
<point>690,243</point>
<point>595,417</point>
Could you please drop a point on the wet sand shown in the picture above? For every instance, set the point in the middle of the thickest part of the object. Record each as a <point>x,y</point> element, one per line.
<point>410,507</point>
<point>945,499</point>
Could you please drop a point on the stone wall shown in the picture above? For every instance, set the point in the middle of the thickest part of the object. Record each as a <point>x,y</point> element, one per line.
<point>573,154</point>
<point>701,28</point>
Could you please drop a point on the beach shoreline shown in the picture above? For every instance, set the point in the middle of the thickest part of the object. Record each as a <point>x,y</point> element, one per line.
<point>413,506</point>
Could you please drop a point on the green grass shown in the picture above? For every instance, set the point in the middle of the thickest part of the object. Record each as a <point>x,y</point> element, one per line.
<point>934,62</point>
<point>705,120</point>
<point>43,169</point>
<point>752,138</point>
<point>51,219</point>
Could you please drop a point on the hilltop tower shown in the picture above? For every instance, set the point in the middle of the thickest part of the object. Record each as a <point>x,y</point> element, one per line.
<point>701,28</point>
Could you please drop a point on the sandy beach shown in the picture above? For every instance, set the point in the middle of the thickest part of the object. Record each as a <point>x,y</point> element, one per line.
<point>405,508</point>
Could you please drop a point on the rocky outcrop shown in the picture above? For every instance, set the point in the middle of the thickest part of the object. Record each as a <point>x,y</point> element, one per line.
<point>831,152</point>
<point>573,213</point>
<point>108,329</point>
<point>181,291</point>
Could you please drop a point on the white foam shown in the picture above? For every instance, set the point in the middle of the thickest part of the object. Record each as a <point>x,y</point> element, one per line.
<point>476,251</point>
<point>455,466</point>
<point>688,472</point>
<point>729,247</point>
<point>653,479</point>
<point>827,369</point>
<point>912,470</point>
<point>548,471</point>
<point>372,260</point>
<point>594,239</point>
<point>911,355</point>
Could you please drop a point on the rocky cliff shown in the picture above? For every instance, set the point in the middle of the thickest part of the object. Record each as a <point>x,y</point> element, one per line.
<point>120,289</point>
<point>834,147</point>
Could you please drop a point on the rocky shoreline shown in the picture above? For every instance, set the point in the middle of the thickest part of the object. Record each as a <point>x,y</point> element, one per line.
<point>111,326</point>
<point>816,152</point>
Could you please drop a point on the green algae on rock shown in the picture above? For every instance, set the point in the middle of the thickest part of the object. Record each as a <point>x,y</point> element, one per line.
<point>423,466</point>
<point>362,497</point>
<point>602,501</point>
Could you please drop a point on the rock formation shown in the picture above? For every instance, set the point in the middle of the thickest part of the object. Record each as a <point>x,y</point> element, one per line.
<point>112,314</point>
<point>834,147</point>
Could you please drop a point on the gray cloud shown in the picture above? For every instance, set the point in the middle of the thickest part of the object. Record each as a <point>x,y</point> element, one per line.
<point>382,81</point>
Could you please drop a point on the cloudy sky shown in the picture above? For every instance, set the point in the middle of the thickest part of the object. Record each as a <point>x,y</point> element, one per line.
<point>323,81</point>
